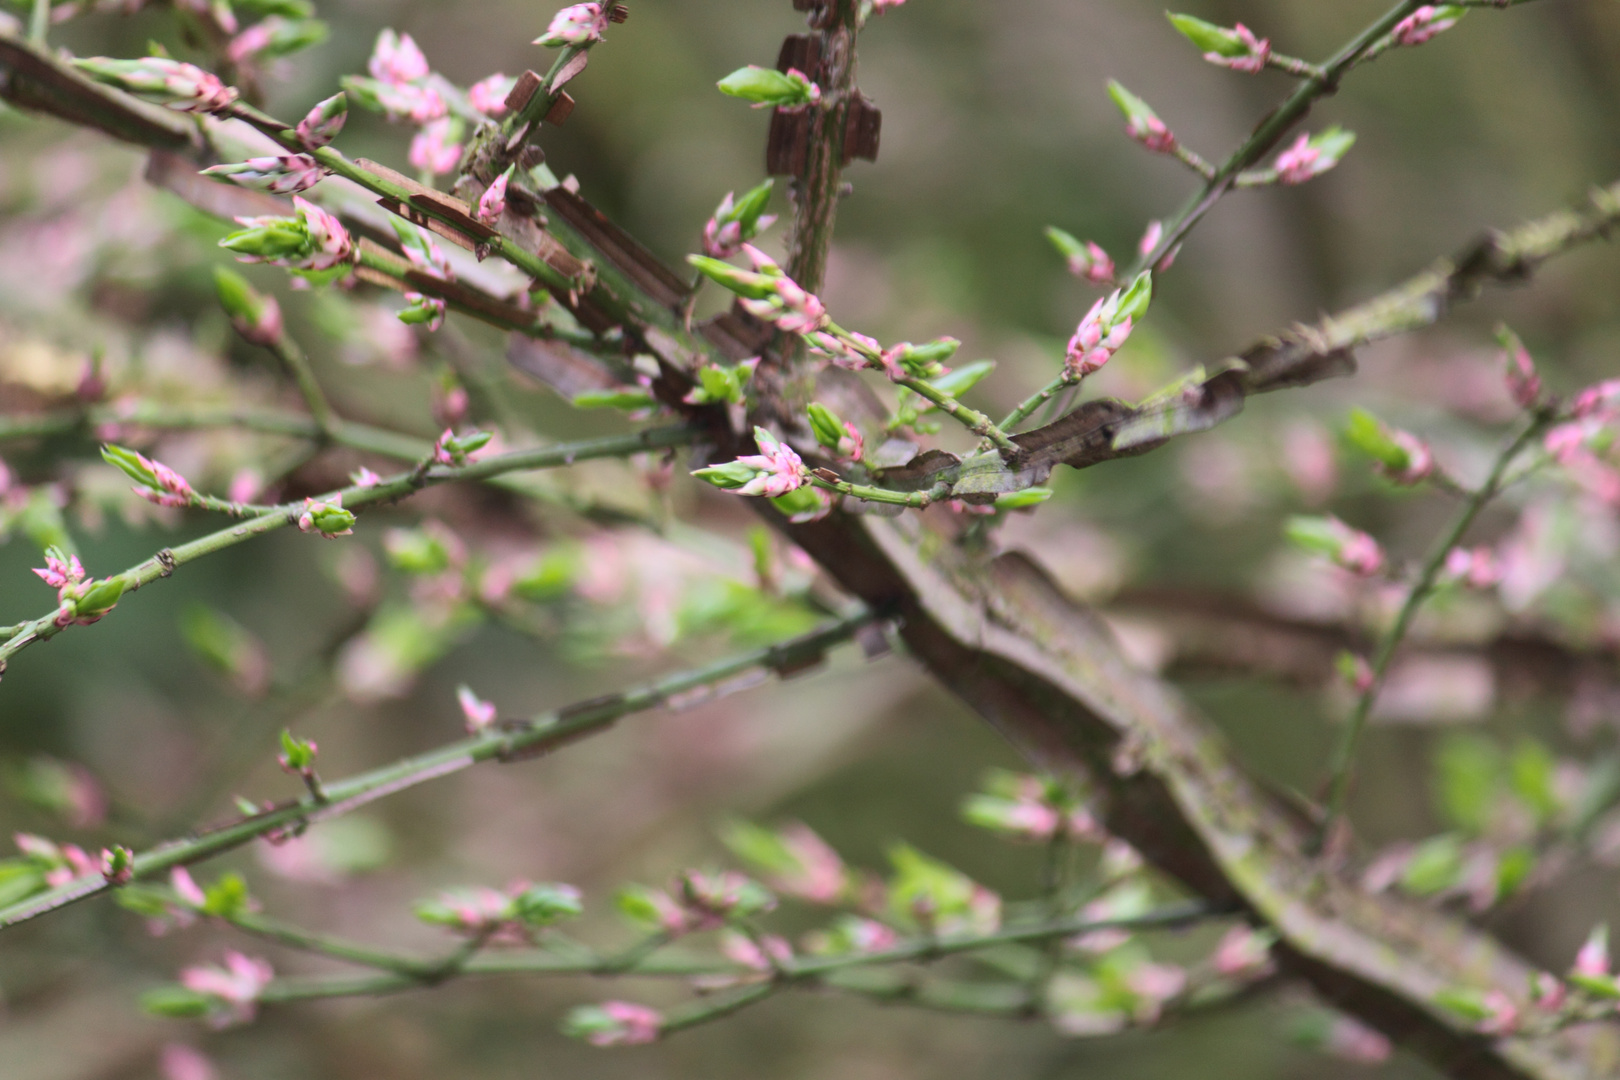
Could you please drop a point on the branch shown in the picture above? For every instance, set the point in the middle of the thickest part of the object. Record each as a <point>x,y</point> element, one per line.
<point>1344,754</point>
<point>393,489</point>
<point>532,738</point>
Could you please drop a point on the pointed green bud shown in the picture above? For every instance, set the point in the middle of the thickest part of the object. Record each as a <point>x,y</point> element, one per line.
<point>826,425</point>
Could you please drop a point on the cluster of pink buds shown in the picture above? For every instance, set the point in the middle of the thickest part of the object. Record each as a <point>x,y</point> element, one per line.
<point>456,450</point>
<point>1106,327</point>
<point>775,471</point>
<point>1426,22</point>
<point>398,84</point>
<point>79,601</point>
<point>1312,155</point>
<point>233,988</point>
<point>59,863</point>
<point>313,241</point>
<point>183,87</point>
<point>575,25</point>
<point>760,955</point>
<point>1141,122</point>
<point>614,1023</point>
<point>1478,568</point>
<point>711,899</point>
<point>492,203</point>
<point>767,293</point>
<point>326,517</point>
<point>1328,536</point>
<point>1023,807</point>
<point>737,221</point>
<point>117,865</point>
<point>477,713</point>
<point>278,175</point>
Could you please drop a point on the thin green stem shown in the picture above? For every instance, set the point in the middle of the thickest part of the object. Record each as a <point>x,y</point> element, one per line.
<point>39,22</point>
<point>1318,83</point>
<point>1344,756</point>
<point>391,490</point>
<point>405,972</point>
<point>189,417</point>
<point>541,734</point>
<point>1036,400</point>
<point>917,500</point>
<point>297,364</point>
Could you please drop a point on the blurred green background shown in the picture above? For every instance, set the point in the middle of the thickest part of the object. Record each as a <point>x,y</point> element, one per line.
<point>996,124</point>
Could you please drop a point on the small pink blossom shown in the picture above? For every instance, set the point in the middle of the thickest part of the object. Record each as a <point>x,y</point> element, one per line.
<point>59,574</point>
<point>780,469</point>
<point>1548,992</point>
<point>489,95</point>
<point>1097,338</point>
<point>331,241</point>
<point>1152,133</point>
<point>1154,984</point>
<point>1242,952</point>
<point>1093,265</point>
<point>409,101</point>
<point>1593,958</point>
<point>637,1024</point>
<point>1477,567</point>
<point>237,985</point>
<point>880,6</point>
<point>870,936</point>
<point>1361,555</point>
<point>1421,25</point>
<point>397,59</point>
<point>186,888</point>
<point>477,713</point>
<point>1299,162</point>
<point>1150,238</point>
<point>172,489</point>
<point>1597,401</point>
<point>818,874</point>
<point>432,149</point>
<point>1251,62</point>
<point>364,477</point>
<point>1419,459</point>
<point>578,24</point>
<point>492,203</point>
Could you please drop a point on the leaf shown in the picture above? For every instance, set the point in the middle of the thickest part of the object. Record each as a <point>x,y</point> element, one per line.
<point>1435,866</point>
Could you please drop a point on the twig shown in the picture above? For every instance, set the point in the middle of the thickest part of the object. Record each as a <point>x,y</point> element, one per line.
<point>539,735</point>
<point>1344,755</point>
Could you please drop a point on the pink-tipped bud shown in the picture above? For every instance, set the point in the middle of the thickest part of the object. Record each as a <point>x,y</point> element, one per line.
<point>492,203</point>
<point>1523,382</point>
<point>489,95</point>
<point>434,149</point>
<point>477,714</point>
<point>578,24</point>
<point>1593,958</point>
<point>1424,23</point>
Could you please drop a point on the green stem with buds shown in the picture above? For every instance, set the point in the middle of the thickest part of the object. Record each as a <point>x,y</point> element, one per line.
<point>547,457</point>
<point>1344,756</point>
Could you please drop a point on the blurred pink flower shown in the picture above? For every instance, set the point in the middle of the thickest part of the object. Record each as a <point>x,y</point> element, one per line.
<point>431,149</point>
<point>1299,162</point>
<point>578,24</point>
<point>236,985</point>
<point>397,59</point>
<point>638,1024</point>
<point>488,95</point>
<point>1250,62</point>
<point>1421,25</point>
<point>180,1062</point>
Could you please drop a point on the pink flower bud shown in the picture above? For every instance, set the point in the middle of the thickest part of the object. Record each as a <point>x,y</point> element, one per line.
<point>637,1024</point>
<point>1421,25</point>
<point>578,24</point>
<point>1299,162</point>
<point>180,1062</point>
<point>186,888</point>
<point>286,175</point>
<point>236,986</point>
<point>1523,383</point>
<point>492,204</point>
<point>1249,63</point>
<point>1094,264</point>
<point>1242,952</point>
<point>1593,958</point>
<point>1503,1018</point>
<point>478,714</point>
